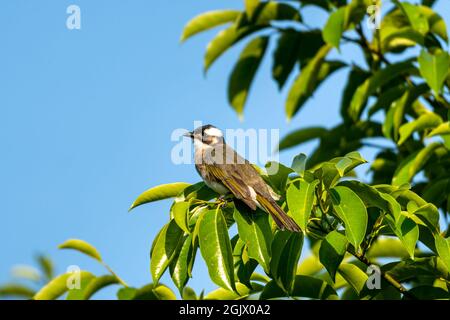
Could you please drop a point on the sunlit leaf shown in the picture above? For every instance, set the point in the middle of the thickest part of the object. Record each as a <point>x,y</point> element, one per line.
<point>216,249</point>
<point>160,192</point>
<point>60,285</point>
<point>350,208</point>
<point>164,249</point>
<point>208,20</point>
<point>81,246</point>
<point>254,229</point>
<point>434,68</point>
<point>300,199</point>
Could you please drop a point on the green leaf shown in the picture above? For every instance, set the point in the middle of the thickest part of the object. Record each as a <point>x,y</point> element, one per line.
<point>424,121</point>
<point>434,68</point>
<point>443,249</point>
<point>160,192</point>
<point>242,292</point>
<point>300,201</point>
<point>216,249</point>
<point>429,215</point>
<point>301,136</point>
<point>407,231</point>
<point>16,290</point>
<point>436,23</point>
<point>356,77</point>
<point>351,210</point>
<point>188,294</point>
<point>150,292</point>
<point>379,79</point>
<point>208,20</point>
<point>354,276</point>
<point>244,267</point>
<point>402,105</point>
<point>126,293</point>
<point>181,266</point>
<point>46,265</point>
<point>387,248</point>
<point>224,40</point>
<point>306,82</point>
<point>286,55</point>
<point>286,251</point>
<point>299,164</point>
<point>416,18</point>
<point>78,293</point>
<point>254,229</point>
<point>97,284</point>
<point>429,293</point>
<point>304,286</point>
<point>332,32</point>
<point>250,7</point>
<point>244,72</point>
<point>332,251</point>
<point>412,164</point>
<point>81,246</point>
<point>180,214</point>
<point>59,285</point>
<point>278,175</point>
<point>270,11</point>
<point>442,129</point>
<point>164,249</point>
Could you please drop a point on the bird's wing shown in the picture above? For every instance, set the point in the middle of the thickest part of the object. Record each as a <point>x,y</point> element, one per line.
<point>229,175</point>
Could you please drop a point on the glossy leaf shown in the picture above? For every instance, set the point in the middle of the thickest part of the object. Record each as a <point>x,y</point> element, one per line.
<point>286,251</point>
<point>443,249</point>
<point>254,229</point>
<point>351,210</point>
<point>332,251</point>
<point>160,192</point>
<point>434,68</point>
<point>180,214</point>
<point>164,249</point>
<point>354,276</point>
<point>300,200</point>
<point>180,268</point>
<point>216,249</point>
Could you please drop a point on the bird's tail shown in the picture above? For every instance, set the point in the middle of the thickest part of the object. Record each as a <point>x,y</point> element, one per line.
<point>282,220</point>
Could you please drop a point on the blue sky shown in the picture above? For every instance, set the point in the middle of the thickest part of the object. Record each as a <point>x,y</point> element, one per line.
<point>86,118</point>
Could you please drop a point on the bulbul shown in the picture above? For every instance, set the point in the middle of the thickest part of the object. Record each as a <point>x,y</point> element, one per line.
<point>224,170</point>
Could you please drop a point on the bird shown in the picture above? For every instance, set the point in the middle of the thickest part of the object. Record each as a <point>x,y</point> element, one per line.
<point>225,171</point>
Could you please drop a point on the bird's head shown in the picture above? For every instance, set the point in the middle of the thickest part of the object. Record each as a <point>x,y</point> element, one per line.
<point>207,135</point>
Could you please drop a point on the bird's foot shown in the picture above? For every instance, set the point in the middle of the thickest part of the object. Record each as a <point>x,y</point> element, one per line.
<point>223,200</point>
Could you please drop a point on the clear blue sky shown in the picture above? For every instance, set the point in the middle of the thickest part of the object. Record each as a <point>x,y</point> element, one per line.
<point>86,117</point>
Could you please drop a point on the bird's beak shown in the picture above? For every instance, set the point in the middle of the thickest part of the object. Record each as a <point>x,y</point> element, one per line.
<point>189,135</point>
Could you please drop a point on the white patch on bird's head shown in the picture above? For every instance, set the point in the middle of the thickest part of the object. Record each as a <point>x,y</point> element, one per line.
<point>214,132</point>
